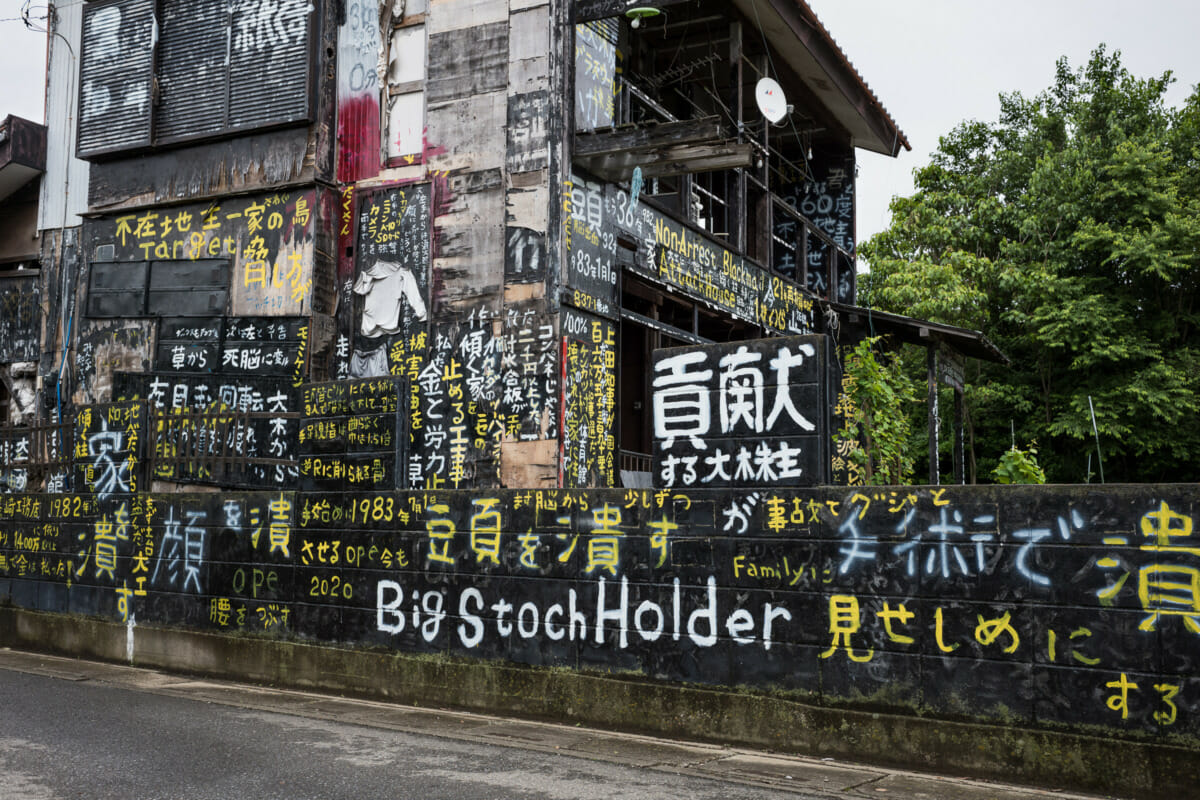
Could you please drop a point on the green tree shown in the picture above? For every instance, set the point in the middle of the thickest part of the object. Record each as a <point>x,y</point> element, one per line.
<point>1069,233</point>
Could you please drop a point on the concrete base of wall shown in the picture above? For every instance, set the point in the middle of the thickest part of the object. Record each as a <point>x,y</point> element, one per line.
<point>1058,759</point>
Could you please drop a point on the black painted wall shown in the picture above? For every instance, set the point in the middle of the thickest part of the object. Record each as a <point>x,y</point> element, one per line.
<point>1076,606</point>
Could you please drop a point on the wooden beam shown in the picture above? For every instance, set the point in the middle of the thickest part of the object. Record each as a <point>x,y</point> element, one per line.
<point>737,202</point>
<point>587,10</point>
<point>931,359</point>
<point>671,161</point>
<point>649,137</point>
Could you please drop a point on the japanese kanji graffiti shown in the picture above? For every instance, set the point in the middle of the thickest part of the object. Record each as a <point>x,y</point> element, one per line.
<point>1037,604</point>
<point>742,414</point>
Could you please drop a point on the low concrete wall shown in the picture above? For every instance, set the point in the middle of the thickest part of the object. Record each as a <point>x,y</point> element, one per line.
<point>1040,632</point>
<point>1141,769</point>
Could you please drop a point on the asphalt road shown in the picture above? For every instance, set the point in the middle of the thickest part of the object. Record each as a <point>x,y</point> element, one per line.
<point>72,729</point>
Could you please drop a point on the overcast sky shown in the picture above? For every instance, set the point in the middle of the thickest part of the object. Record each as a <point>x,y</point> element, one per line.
<point>933,63</point>
<point>22,64</point>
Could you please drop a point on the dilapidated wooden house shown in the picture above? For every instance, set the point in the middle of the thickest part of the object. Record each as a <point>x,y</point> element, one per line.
<point>501,206</point>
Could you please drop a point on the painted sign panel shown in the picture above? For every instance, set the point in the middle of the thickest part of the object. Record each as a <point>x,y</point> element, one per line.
<point>108,448</point>
<point>746,414</point>
<point>588,437</point>
<point>251,420</point>
<point>353,435</point>
<point>600,217</point>
<point>268,240</point>
<point>591,238</point>
<point>826,199</point>
<point>596,59</point>
<point>459,428</point>
<point>529,376</point>
<point>390,292</point>
<point>233,346</point>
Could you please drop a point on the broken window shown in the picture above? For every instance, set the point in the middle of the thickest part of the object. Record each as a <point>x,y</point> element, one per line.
<point>671,107</point>
<point>404,131</point>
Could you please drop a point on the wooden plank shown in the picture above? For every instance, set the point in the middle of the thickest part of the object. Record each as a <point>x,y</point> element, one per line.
<point>259,160</point>
<point>650,137</point>
<point>468,133</point>
<point>672,161</point>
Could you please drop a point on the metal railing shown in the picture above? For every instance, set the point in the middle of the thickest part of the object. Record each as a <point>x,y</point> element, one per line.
<point>208,446</point>
<point>30,456</point>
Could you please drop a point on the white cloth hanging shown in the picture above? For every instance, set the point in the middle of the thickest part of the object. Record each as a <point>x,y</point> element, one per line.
<point>385,287</point>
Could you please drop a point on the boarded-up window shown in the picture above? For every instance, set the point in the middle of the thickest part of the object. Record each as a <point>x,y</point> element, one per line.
<point>159,288</point>
<point>115,93</point>
<point>160,72</point>
<point>406,92</point>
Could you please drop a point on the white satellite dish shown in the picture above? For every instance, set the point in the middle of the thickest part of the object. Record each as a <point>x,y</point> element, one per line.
<point>771,100</point>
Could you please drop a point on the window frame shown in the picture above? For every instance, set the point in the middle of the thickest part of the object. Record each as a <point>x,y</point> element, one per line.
<point>389,91</point>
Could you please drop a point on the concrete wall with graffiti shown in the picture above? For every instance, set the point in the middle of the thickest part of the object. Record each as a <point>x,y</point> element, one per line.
<point>1034,605</point>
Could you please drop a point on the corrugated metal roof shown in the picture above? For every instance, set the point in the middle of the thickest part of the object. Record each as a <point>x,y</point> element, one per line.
<point>853,71</point>
<point>802,42</point>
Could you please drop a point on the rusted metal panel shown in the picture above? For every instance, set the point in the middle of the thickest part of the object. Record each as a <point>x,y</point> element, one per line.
<point>193,79</point>
<point>256,161</point>
<point>117,61</point>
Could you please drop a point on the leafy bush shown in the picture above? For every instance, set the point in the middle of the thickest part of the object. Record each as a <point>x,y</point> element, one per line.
<point>1019,466</point>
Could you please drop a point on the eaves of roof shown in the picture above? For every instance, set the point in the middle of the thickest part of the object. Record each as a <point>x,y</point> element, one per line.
<point>822,64</point>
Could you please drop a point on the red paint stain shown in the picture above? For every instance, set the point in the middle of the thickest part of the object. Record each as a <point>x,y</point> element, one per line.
<point>359,138</point>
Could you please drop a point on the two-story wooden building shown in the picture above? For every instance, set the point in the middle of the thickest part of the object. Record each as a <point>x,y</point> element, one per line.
<point>506,204</point>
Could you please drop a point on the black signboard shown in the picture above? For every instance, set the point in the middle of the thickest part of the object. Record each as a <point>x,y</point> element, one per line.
<point>744,414</point>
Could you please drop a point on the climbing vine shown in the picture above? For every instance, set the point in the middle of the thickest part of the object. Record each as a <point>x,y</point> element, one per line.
<point>875,436</point>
